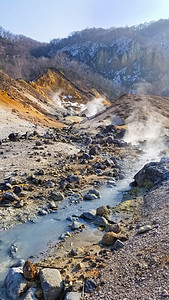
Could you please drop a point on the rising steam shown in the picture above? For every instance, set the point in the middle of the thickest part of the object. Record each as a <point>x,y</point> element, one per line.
<point>94,106</point>
<point>56,99</point>
<point>146,128</point>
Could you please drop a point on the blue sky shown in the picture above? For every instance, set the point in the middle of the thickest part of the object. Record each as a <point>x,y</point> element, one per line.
<point>44,20</point>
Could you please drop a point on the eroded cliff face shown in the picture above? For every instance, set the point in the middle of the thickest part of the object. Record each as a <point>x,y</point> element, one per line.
<point>125,61</point>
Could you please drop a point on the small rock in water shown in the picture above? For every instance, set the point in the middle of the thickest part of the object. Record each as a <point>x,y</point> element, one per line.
<point>76,225</point>
<point>13,250</point>
<point>102,211</point>
<point>100,221</point>
<point>90,215</point>
<point>144,229</point>
<point>89,197</point>
<point>90,286</point>
<point>95,192</point>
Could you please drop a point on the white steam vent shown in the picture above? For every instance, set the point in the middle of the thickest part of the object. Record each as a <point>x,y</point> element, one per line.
<point>94,106</point>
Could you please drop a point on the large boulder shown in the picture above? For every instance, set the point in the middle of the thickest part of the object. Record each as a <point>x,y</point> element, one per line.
<point>51,282</point>
<point>152,174</point>
<point>15,283</point>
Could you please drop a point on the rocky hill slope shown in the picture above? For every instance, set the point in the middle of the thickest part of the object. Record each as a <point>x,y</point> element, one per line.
<point>46,102</point>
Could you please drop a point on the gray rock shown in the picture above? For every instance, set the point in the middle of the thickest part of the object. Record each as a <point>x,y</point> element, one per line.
<point>53,205</point>
<point>89,197</point>
<point>30,294</point>
<point>5,186</point>
<point>100,221</point>
<point>76,225</point>
<point>118,245</point>
<point>51,282</point>
<point>56,196</point>
<point>95,192</point>
<point>144,229</point>
<point>13,249</point>
<point>43,212</point>
<point>90,286</point>
<point>90,215</point>
<point>73,296</point>
<point>9,196</point>
<point>15,283</point>
<point>73,178</point>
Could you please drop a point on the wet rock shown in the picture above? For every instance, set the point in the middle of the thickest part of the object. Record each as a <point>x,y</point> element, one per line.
<point>9,196</point>
<point>20,263</point>
<point>90,286</point>
<point>56,196</point>
<point>51,282</point>
<point>100,221</point>
<point>30,294</point>
<point>109,238</point>
<point>14,137</point>
<point>144,229</point>
<point>95,192</point>
<point>12,250</point>
<point>15,283</point>
<point>89,196</point>
<point>53,205</point>
<point>76,225</point>
<point>102,211</point>
<point>5,186</point>
<point>73,296</point>
<point>109,140</point>
<point>29,271</point>
<point>90,215</point>
<point>43,212</point>
<point>113,227</point>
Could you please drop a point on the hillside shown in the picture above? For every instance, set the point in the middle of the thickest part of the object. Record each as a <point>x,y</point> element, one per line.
<point>135,57</point>
<point>46,102</point>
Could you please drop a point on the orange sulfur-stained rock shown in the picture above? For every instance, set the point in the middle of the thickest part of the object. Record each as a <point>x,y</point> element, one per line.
<point>29,271</point>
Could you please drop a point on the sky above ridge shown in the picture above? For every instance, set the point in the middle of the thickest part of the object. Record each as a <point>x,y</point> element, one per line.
<point>45,20</point>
